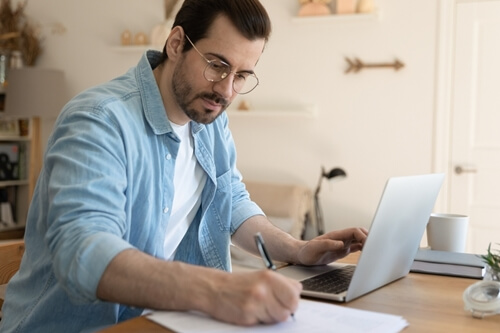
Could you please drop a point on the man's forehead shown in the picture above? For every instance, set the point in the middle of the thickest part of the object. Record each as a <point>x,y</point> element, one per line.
<point>224,40</point>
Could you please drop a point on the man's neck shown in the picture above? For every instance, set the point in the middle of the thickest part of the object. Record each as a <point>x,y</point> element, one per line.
<point>174,113</point>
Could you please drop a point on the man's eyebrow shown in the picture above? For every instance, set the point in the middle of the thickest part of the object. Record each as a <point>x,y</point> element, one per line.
<point>222,58</point>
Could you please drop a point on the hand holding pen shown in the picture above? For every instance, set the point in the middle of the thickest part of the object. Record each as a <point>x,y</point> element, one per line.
<point>259,241</point>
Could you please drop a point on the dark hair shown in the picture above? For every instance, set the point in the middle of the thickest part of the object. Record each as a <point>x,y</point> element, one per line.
<point>197,16</point>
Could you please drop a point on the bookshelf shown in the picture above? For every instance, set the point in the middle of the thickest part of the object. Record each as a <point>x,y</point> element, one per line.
<point>17,187</point>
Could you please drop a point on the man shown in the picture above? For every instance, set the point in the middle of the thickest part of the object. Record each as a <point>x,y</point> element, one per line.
<point>139,196</point>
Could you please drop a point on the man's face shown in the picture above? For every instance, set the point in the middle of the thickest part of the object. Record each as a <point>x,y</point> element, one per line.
<point>201,100</point>
<point>202,106</point>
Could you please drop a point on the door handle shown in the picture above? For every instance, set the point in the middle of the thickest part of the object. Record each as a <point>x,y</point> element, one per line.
<point>463,169</point>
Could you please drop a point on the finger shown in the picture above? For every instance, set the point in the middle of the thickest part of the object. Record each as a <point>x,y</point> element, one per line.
<point>359,234</point>
<point>287,291</point>
<point>355,247</point>
<point>350,234</point>
<point>330,245</point>
<point>362,237</point>
<point>274,312</point>
<point>362,234</point>
<point>285,298</point>
<point>343,234</point>
<point>321,251</point>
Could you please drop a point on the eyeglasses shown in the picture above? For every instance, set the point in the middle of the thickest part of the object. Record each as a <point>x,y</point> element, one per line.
<point>218,70</point>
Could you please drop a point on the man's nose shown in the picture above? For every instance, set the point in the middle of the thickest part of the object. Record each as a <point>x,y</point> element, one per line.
<point>225,87</point>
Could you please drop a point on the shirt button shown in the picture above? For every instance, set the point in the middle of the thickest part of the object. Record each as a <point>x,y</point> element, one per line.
<point>168,157</point>
<point>165,210</point>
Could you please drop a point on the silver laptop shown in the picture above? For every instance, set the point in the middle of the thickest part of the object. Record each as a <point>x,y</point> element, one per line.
<point>392,243</point>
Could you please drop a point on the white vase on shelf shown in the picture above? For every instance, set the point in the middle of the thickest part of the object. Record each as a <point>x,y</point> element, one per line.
<point>366,6</point>
<point>160,32</point>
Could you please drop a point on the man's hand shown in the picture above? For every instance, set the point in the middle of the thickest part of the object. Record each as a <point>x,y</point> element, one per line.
<point>252,298</point>
<point>332,246</point>
<point>283,247</point>
<point>248,298</point>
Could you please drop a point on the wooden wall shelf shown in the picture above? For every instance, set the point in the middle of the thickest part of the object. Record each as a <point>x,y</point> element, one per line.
<point>339,17</point>
<point>134,48</point>
<point>304,112</point>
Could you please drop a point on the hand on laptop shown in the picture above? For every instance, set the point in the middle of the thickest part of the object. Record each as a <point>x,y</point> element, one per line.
<point>332,246</point>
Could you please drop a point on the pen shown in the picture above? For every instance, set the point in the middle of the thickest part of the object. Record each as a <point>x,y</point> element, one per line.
<point>265,255</point>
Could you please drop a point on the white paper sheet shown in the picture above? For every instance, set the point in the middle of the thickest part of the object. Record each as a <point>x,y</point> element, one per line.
<point>310,317</point>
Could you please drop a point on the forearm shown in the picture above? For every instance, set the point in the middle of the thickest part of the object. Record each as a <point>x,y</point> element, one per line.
<point>137,279</point>
<point>281,245</point>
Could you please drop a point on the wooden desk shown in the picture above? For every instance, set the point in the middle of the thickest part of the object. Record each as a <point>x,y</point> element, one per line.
<point>429,303</point>
<point>11,252</point>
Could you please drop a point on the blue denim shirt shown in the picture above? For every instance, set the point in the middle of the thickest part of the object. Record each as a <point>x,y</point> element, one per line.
<point>106,186</point>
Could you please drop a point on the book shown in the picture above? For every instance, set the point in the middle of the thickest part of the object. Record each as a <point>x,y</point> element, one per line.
<point>466,265</point>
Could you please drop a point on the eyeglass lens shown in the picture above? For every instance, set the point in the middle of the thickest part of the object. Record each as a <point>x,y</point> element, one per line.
<point>217,71</point>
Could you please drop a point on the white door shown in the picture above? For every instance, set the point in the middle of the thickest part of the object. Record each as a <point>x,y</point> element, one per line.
<point>475,131</point>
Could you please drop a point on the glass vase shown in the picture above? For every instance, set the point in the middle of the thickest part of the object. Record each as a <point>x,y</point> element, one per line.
<point>491,274</point>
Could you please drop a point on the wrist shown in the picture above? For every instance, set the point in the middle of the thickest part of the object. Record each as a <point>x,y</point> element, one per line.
<point>289,251</point>
<point>199,288</point>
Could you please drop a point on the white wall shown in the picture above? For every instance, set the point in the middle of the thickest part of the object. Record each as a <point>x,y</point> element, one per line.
<point>374,124</point>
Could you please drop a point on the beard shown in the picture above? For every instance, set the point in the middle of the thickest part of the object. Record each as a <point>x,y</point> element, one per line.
<point>182,91</point>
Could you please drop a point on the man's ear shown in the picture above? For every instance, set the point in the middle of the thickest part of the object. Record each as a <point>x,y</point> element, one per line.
<point>175,42</point>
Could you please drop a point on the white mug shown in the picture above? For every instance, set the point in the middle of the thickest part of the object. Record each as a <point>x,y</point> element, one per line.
<point>447,232</point>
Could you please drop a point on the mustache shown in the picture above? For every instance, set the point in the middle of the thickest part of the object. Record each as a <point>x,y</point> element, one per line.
<point>216,98</point>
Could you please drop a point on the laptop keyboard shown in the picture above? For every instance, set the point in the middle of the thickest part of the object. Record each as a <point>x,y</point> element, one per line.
<point>332,282</point>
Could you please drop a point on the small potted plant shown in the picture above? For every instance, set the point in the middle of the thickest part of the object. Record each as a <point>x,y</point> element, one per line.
<point>18,32</point>
<point>492,261</point>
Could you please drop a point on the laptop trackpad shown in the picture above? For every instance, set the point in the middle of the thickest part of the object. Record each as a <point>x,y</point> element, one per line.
<point>300,273</point>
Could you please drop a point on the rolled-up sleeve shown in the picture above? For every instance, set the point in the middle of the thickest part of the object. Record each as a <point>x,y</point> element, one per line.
<point>242,207</point>
<point>85,169</point>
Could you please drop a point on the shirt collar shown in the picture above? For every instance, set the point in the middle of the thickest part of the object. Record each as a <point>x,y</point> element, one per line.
<point>152,102</point>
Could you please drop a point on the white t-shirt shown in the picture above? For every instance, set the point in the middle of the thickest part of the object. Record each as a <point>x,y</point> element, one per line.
<point>189,181</point>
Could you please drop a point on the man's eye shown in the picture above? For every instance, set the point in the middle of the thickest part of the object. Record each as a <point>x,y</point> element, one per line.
<point>218,66</point>
<point>241,76</point>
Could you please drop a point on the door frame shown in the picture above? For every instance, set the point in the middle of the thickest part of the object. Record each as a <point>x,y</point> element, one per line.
<point>445,63</point>
<point>445,40</point>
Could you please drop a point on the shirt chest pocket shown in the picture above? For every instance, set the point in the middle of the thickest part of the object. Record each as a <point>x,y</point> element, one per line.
<point>221,206</point>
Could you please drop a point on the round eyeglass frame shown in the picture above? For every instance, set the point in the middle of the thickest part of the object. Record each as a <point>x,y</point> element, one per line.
<point>223,73</point>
